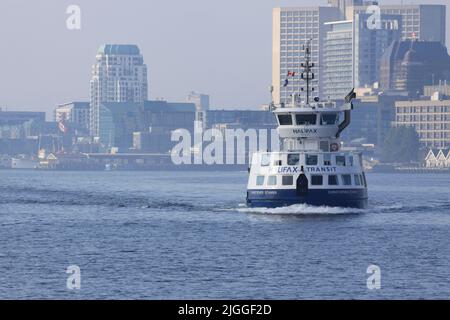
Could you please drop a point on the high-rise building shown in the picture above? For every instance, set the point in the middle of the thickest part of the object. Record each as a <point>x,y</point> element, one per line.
<point>74,112</point>
<point>344,4</point>
<point>352,53</point>
<point>118,75</point>
<point>421,22</point>
<point>370,44</point>
<point>338,77</point>
<point>292,29</point>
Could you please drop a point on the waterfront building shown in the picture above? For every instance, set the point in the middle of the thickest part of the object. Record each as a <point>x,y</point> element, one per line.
<point>20,131</point>
<point>161,119</point>
<point>74,113</point>
<point>430,118</point>
<point>117,122</point>
<point>119,75</point>
<point>438,158</point>
<point>372,117</point>
<point>20,124</point>
<point>200,100</point>
<point>410,65</point>
<point>244,119</point>
<point>292,29</point>
<point>146,127</point>
<point>425,22</point>
<point>443,88</point>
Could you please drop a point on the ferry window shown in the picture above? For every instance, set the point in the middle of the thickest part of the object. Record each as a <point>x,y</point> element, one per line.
<point>324,146</point>
<point>293,159</point>
<point>288,180</point>
<point>364,179</point>
<point>311,160</point>
<point>350,161</point>
<point>327,159</point>
<point>265,160</point>
<point>333,180</point>
<point>316,180</point>
<point>285,120</point>
<point>340,161</point>
<point>358,180</point>
<point>306,119</point>
<point>272,181</point>
<point>260,180</point>
<point>277,163</point>
<point>347,179</point>
<point>328,119</point>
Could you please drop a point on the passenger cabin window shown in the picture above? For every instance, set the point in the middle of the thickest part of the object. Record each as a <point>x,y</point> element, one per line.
<point>260,180</point>
<point>350,161</point>
<point>316,180</point>
<point>327,159</point>
<point>272,181</point>
<point>306,119</point>
<point>340,161</point>
<point>293,159</point>
<point>333,180</point>
<point>324,146</point>
<point>278,163</point>
<point>357,180</point>
<point>285,119</point>
<point>265,160</point>
<point>328,119</point>
<point>311,160</point>
<point>347,179</point>
<point>288,180</point>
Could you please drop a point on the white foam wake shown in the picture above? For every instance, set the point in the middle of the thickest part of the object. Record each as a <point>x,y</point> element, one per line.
<point>300,209</point>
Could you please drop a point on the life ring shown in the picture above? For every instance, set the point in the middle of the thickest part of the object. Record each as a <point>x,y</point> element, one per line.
<point>334,147</point>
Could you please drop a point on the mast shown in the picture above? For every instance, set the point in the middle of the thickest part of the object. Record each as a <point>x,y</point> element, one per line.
<point>307,73</point>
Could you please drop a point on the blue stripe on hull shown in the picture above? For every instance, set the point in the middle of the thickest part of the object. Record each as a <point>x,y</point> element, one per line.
<point>352,198</point>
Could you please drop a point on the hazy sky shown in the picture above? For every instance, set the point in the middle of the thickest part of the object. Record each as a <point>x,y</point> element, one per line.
<point>219,47</point>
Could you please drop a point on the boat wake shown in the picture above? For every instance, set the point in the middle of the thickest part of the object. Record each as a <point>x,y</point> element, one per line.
<point>304,209</point>
<point>300,209</point>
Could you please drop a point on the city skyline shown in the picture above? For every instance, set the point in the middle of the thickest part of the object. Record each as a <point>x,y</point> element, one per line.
<point>58,70</point>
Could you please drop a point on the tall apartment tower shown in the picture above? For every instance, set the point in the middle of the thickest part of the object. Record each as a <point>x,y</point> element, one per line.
<point>352,53</point>
<point>292,29</point>
<point>338,62</point>
<point>118,75</point>
<point>344,4</point>
<point>419,22</point>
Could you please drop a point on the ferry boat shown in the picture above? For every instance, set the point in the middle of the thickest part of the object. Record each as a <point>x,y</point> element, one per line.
<point>310,168</point>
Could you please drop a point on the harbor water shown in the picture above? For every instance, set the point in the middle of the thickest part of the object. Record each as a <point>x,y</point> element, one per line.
<point>189,235</point>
